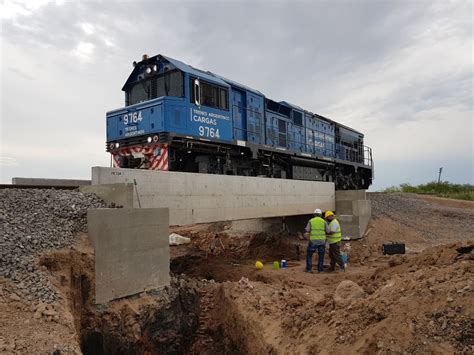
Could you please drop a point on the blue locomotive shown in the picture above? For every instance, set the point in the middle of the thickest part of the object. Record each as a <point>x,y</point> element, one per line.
<point>180,118</point>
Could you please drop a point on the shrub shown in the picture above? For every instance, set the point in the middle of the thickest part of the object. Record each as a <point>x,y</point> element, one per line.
<point>443,189</point>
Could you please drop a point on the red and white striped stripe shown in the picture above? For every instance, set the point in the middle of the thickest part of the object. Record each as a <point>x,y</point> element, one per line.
<point>156,155</point>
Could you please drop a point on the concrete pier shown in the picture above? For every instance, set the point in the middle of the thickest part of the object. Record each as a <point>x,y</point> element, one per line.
<point>131,250</point>
<point>353,211</point>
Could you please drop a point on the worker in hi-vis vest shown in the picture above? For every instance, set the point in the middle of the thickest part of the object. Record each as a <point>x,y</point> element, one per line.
<point>316,229</point>
<point>334,236</point>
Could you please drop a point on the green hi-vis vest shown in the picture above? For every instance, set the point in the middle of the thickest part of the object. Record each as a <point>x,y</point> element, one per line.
<point>318,231</point>
<point>336,237</point>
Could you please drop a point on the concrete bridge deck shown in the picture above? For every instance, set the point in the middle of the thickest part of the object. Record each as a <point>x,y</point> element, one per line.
<point>202,198</point>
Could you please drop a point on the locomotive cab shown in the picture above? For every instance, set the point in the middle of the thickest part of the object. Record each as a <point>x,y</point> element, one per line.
<point>166,98</point>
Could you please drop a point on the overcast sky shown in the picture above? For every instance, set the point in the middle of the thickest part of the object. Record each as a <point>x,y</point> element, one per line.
<point>401,72</point>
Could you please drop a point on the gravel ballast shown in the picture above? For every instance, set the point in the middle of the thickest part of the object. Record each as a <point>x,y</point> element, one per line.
<point>33,221</point>
<point>436,223</point>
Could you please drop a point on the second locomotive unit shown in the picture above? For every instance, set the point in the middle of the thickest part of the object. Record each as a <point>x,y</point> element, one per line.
<point>180,118</point>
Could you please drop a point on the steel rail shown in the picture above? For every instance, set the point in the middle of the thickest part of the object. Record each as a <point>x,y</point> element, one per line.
<point>55,187</point>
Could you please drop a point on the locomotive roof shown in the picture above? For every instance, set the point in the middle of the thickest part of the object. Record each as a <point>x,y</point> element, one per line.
<point>242,86</point>
<point>209,76</point>
<point>215,77</point>
<point>206,75</point>
<point>293,106</point>
<point>181,66</point>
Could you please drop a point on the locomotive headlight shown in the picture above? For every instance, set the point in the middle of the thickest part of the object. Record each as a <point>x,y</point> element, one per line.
<point>149,139</point>
<point>112,146</point>
<point>155,68</point>
<point>155,139</point>
<point>148,70</point>
<point>117,145</point>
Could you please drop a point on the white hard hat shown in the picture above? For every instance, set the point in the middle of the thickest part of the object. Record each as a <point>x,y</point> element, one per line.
<point>318,211</point>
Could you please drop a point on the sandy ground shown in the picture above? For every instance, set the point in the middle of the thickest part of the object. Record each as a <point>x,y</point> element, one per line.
<point>421,302</point>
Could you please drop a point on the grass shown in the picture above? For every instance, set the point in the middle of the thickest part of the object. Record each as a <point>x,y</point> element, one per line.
<point>443,189</point>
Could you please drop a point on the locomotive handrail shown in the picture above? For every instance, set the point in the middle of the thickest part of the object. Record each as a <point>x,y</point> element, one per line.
<point>355,156</point>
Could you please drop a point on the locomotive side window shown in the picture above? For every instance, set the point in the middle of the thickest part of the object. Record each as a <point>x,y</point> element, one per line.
<point>273,106</point>
<point>211,95</point>
<point>297,118</point>
<point>224,100</point>
<point>285,110</point>
<point>276,107</point>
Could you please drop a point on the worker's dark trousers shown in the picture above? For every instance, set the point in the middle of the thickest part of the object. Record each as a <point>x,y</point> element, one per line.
<point>312,247</point>
<point>335,255</point>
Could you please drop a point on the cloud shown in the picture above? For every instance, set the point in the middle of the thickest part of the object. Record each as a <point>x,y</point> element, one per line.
<point>84,51</point>
<point>400,72</point>
<point>8,161</point>
<point>87,28</point>
<point>22,73</point>
<point>12,9</point>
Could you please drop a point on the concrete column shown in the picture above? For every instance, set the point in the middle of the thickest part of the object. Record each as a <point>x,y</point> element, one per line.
<point>353,211</point>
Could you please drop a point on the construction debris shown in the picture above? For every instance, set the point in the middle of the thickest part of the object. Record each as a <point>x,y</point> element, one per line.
<point>176,239</point>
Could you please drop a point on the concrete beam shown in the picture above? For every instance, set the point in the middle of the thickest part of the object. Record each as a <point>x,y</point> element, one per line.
<point>202,198</point>
<point>131,250</point>
<point>47,182</point>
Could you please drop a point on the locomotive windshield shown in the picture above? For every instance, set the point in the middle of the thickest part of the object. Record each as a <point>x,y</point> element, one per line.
<point>169,84</point>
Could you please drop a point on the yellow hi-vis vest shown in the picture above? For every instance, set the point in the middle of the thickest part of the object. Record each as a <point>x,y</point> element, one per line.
<point>336,237</point>
<point>318,230</point>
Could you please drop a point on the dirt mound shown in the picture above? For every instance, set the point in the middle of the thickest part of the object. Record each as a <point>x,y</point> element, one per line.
<point>427,287</point>
<point>423,304</point>
<point>347,292</point>
<point>271,246</point>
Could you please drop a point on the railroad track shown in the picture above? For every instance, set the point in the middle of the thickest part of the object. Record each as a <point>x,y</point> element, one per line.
<point>56,187</point>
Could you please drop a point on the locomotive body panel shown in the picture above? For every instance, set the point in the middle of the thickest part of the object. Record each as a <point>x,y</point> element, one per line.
<point>136,120</point>
<point>186,119</point>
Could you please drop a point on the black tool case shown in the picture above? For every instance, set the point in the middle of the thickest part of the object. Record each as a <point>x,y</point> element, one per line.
<point>393,248</point>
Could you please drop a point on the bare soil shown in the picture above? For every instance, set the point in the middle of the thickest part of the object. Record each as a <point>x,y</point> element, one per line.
<point>420,302</point>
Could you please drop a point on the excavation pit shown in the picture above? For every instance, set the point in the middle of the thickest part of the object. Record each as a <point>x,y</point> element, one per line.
<point>180,318</point>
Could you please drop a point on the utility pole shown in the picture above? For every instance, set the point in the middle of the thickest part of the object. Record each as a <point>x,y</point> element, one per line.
<point>439,175</point>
